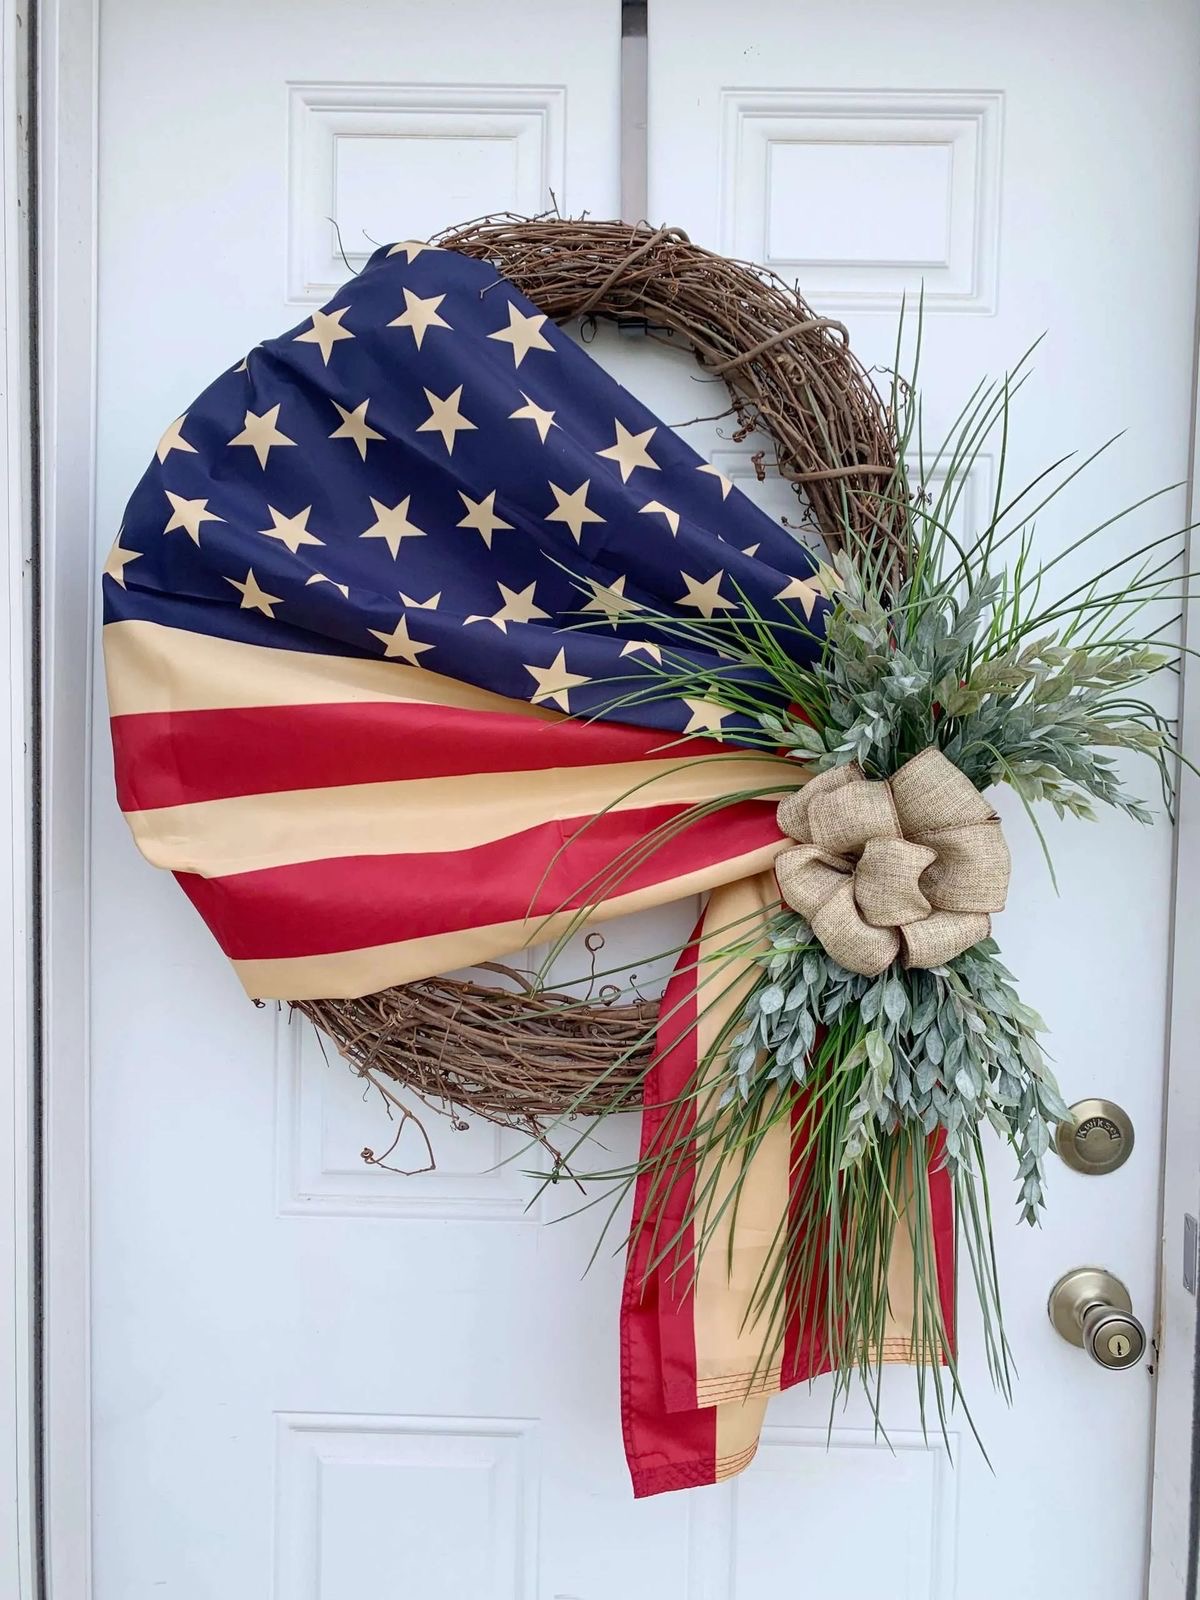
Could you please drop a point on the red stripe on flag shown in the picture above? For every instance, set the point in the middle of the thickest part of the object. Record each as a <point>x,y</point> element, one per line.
<point>941,1204</point>
<point>352,902</point>
<point>806,1351</point>
<point>665,1449</point>
<point>175,758</point>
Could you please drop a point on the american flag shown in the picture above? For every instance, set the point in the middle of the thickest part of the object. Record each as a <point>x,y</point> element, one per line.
<point>354,707</point>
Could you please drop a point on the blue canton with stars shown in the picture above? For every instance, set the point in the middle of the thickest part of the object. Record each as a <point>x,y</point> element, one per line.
<point>429,471</point>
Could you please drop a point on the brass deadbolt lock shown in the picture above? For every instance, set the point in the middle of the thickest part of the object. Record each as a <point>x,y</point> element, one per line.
<point>1096,1138</point>
<point>1092,1309</point>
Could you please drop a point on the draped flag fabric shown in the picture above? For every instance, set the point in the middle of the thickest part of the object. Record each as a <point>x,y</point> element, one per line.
<point>354,711</point>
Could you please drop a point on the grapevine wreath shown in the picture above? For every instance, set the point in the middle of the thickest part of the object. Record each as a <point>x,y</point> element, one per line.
<point>809,739</point>
<point>519,1054</point>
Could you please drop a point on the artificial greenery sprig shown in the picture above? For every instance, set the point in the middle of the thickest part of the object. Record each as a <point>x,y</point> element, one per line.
<point>1037,716</point>
<point>939,1048</point>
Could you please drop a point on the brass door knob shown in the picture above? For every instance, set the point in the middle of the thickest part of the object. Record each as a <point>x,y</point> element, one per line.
<point>1092,1309</point>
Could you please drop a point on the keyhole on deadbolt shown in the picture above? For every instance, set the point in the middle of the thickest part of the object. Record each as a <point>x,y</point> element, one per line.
<point>1118,1346</point>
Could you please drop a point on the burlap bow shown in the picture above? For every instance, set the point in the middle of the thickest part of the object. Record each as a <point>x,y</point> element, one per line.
<point>914,864</point>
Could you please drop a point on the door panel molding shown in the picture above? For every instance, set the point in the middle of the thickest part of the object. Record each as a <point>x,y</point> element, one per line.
<point>342,137</point>
<point>924,168</point>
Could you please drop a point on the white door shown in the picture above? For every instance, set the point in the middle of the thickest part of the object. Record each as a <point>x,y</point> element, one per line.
<point>314,1380</point>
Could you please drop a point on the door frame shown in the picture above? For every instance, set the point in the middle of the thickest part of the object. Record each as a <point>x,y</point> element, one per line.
<point>1175,1487</point>
<point>19,1389</point>
<point>64,300</point>
<point>67,89</point>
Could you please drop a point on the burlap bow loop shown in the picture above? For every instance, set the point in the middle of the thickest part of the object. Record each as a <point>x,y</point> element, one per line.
<point>913,865</point>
